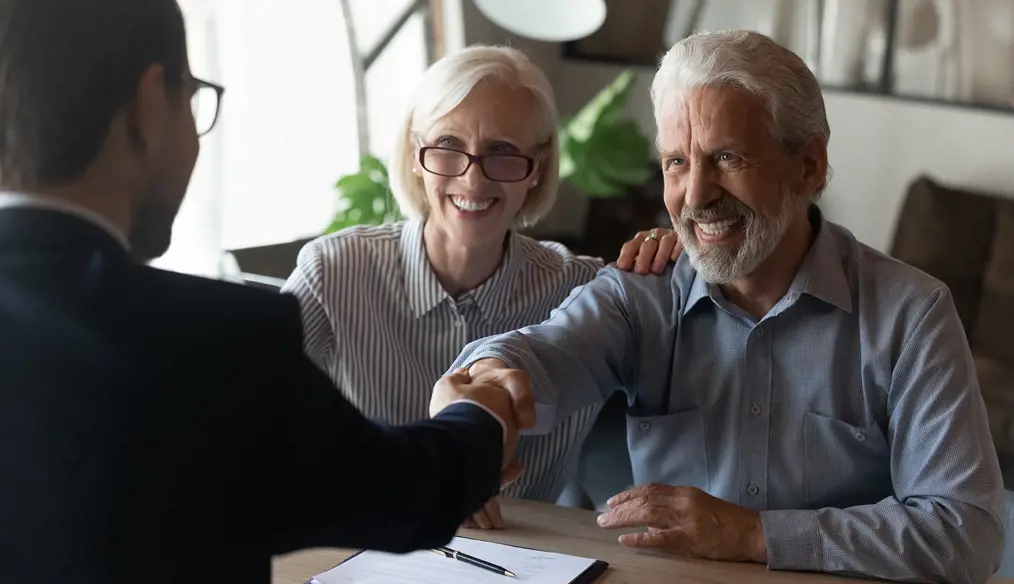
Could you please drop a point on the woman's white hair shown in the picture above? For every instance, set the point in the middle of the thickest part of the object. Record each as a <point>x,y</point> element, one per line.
<point>445,85</point>
<point>752,62</point>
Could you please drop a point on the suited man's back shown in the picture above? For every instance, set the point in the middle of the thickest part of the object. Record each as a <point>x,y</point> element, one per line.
<point>156,427</point>
<point>160,424</point>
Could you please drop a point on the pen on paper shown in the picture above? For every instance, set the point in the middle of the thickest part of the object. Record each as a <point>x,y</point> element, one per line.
<point>472,560</point>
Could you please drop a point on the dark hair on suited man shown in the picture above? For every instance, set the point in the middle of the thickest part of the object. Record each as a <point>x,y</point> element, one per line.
<point>66,68</point>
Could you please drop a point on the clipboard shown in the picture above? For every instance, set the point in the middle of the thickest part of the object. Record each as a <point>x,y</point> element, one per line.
<point>469,574</point>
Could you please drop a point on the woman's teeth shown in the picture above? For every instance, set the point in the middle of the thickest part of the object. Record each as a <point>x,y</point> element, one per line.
<point>715,228</point>
<point>467,204</point>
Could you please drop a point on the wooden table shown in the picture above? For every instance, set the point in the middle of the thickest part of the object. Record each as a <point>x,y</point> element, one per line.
<point>573,531</point>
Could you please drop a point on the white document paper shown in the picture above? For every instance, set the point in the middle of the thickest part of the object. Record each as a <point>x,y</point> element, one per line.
<point>425,567</point>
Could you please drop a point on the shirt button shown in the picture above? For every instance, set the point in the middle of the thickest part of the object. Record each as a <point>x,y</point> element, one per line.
<point>645,425</point>
<point>755,409</point>
<point>860,436</point>
<point>760,331</point>
<point>459,323</point>
<point>752,489</point>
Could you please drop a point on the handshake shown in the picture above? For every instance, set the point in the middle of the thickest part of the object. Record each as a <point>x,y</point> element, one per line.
<point>505,392</point>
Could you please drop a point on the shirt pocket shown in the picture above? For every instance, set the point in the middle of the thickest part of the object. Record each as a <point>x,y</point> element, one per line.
<point>669,449</point>
<point>846,465</point>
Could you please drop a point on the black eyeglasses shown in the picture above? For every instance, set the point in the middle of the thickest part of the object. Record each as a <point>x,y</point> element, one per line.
<point>496,167</point>
<point>205,105</point>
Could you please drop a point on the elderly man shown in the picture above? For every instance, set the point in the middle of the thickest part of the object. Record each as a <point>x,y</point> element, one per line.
<point>796,398</point>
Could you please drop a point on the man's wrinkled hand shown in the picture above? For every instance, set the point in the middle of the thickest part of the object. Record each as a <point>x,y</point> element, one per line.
<point>687,521</point>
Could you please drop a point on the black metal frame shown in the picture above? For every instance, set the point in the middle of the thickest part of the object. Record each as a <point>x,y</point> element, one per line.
<point>219,92</point>
<point>884,85</point>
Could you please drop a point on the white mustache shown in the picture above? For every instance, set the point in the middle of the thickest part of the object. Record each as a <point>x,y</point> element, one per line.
<point>721,208</point>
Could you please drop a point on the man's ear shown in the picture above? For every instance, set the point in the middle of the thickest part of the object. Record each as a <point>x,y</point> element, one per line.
<point>812,159</point>
<point>146,112</point>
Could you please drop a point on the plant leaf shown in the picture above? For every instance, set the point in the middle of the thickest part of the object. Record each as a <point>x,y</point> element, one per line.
<point>567,163</point>
<point>621,152</point>
<point>601,153</point>
<point>370,163</point>
<point>364,197</point>
<point>604,105</point>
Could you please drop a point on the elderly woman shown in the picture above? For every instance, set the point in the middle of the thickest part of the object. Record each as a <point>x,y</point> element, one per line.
<point>387,308</point>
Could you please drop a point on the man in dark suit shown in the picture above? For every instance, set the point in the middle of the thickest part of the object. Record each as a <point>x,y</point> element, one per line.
<point>156,427</point>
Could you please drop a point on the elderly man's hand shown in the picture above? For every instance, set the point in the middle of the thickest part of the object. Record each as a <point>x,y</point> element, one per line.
<point>687,521</point>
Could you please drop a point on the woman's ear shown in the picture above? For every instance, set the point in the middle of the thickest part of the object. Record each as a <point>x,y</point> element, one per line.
<point>534,179</point>
<point>538,164</point>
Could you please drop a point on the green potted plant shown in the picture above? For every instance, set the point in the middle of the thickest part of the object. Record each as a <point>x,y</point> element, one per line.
<point>603,153</point>
<point>364,198</point>
<point>606,157</point>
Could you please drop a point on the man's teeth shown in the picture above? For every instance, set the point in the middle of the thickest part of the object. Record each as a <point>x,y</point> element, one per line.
<point>466,204</point>
<point>717,227</point>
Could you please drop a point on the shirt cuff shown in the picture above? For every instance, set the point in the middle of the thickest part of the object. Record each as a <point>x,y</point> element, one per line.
<point>792,538</point>
<point>503,425</point>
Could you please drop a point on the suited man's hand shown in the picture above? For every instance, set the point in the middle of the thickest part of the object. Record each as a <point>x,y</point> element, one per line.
<point>460,386</point>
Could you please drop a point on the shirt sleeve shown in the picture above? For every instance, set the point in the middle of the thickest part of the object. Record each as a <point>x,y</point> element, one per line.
<point>945,521</point>
<point>577,358</point>
<point>307,284</point>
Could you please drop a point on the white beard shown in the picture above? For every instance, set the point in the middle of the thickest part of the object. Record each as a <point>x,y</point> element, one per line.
<point>724,263</point>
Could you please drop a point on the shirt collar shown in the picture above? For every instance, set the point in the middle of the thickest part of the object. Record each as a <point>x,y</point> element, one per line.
<point>423,289</point>
<point>421,285</point>
<point>9,200</point>
<point>821,275</point>
<point>499,286</point>
<point>699,290</point>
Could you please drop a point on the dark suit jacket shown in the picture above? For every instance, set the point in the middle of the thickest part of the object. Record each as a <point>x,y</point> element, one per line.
<point>156,427</point>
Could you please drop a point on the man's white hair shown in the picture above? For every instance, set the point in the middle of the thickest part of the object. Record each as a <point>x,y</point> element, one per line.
<point>445,85</point>
<point>754,63</point>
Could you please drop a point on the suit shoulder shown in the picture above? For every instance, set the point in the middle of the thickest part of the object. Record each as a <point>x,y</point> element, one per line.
<point>183,298</point>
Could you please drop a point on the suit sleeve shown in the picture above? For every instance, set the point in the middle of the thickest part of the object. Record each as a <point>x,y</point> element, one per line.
<point>346,481</point>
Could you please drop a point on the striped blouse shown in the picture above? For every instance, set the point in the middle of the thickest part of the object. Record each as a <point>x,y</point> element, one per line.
<point>379,323</point>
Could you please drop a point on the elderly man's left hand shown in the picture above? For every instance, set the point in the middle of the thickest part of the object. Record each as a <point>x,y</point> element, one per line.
<point>687,521</point>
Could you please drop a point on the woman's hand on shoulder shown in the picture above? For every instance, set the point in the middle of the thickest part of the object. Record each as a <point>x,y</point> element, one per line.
<point>649,251</point>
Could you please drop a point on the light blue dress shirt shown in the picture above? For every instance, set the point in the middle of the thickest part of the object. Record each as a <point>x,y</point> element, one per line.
<point>850,415</point>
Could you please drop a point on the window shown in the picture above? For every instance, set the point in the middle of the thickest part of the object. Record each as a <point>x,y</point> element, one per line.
<point>287,129</point>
